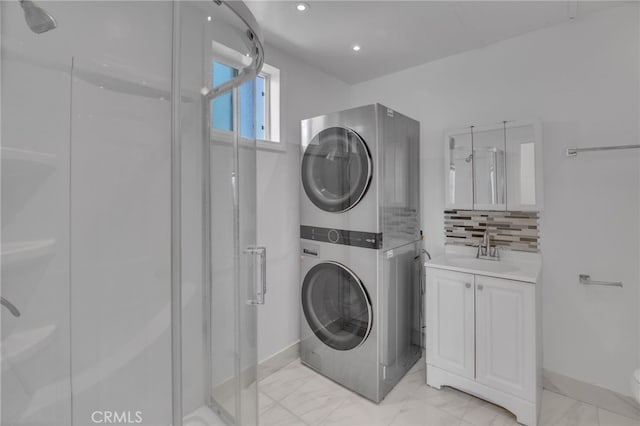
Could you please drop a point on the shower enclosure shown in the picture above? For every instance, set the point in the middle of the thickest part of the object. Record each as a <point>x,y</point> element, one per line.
<point>130,272</point>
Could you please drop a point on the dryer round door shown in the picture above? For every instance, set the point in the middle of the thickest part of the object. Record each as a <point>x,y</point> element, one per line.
<point>336,306</point>
<point>336,169</point>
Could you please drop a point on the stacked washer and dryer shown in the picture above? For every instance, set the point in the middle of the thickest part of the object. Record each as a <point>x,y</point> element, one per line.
<point>360,247</point>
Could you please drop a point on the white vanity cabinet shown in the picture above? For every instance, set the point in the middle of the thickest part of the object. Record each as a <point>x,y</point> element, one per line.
<point>505,335</point>
<point>482,338</point>
<point>450,321</point>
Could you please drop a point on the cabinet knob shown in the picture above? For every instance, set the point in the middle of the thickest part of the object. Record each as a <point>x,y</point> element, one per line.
<point>467,285</point>
<point>480,286</point>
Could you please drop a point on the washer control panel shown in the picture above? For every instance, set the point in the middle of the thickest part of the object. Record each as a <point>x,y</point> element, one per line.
<point>340,236</point>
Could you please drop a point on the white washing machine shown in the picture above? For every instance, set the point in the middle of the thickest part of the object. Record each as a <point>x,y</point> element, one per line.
<point>359,308</point>
<point>360,172</point>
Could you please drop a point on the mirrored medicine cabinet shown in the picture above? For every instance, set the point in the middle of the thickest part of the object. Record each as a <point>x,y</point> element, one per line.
<point>495,167</point>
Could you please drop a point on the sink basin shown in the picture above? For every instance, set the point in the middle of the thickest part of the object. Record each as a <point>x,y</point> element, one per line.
<point>525,267</point>
<point>481,264</point>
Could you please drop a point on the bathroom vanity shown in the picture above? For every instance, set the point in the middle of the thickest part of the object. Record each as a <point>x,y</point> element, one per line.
<point>483,324</point>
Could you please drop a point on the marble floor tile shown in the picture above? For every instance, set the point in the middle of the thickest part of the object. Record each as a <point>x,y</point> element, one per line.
<point>264,402</point>
<point>594,395</point>
<point>297,395</point>
<point>418,413</point>
<point>315,399</point>
<point>286,381</point>
<point>607,418</point>
<point>559,410</point>
<point>411,382</point>
<point>482,413</point>
<point>356,410</point>
<point>279,416</point>
<point>447,399</point>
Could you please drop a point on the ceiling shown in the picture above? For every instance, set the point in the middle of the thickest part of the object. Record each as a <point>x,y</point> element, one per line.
<point>396,35</point>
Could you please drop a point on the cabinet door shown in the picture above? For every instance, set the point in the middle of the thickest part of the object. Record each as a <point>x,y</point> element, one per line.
<point>524,166</point>
<point>505,335</point>
<point>458,170</point>
<point>489,181</point>
<point>450,321</point>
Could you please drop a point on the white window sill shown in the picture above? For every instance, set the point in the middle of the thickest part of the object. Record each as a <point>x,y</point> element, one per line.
<point>263,145</point>
<point>221,137</point>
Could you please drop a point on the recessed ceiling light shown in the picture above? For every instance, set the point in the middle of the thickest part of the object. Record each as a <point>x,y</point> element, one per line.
<point>356,47</point>
<point>208,18</point>
<point>302,7</point>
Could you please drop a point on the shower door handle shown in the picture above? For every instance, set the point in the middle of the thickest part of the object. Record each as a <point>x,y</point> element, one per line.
<point>259,255</point>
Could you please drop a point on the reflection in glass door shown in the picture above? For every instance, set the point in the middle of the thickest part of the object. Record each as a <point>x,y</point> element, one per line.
<point>233,259</point>
<point>218,132</point>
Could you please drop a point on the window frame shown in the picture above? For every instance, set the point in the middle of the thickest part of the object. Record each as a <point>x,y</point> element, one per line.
<point>227,56</point>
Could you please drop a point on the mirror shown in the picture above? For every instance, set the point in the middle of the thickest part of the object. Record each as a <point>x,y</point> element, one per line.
<point>504,172</point>
<point>489,187</point>
<point>521,166</point>
<point>459,171</point>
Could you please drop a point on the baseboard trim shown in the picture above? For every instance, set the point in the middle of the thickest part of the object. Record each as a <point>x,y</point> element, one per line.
<point>223,392</point>
<point>278,360</point>
<point>591,394</point>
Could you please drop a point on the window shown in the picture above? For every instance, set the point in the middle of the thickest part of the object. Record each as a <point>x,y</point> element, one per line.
<point>261,99</point>
<point>221,112</point>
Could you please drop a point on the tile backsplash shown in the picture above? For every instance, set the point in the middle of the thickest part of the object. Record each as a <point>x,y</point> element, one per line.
<point>508,229</point>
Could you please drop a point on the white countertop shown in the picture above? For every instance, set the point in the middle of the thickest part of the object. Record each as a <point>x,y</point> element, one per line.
<point>517,266</point>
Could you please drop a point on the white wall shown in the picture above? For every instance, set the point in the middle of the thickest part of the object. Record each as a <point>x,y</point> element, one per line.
<point>305,92</point>
<point>581,80</point>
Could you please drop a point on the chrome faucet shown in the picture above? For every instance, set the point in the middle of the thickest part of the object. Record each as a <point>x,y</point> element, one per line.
<point>485,251</point>
<point>10,306</point>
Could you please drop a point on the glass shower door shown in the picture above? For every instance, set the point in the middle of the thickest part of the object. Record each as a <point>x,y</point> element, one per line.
<point>236,272</point>
<point>233,267</point>
<point>219,353</point>
<point>251,264</point>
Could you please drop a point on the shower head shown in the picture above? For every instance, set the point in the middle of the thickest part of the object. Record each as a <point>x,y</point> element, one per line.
<point>37,18</point>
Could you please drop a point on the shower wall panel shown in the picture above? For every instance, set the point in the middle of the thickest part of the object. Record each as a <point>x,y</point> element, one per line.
<point>35,228</point>
<point>120,212</point>
<point>88,105</point>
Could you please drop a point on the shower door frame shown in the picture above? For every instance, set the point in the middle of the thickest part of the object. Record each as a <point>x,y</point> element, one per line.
<point>255,44</point>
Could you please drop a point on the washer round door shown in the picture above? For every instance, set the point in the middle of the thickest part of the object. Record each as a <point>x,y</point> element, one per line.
<point>336,169</point>
<point>336,306</point>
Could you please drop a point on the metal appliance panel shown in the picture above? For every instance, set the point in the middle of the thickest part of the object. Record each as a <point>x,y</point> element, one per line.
<point>358,368</point>
<point>391,205</point>
<point>399,176</point>
<point>364,216</point>
<point>391,349</point>
<point>399,312</point>
<point>342,236</point>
